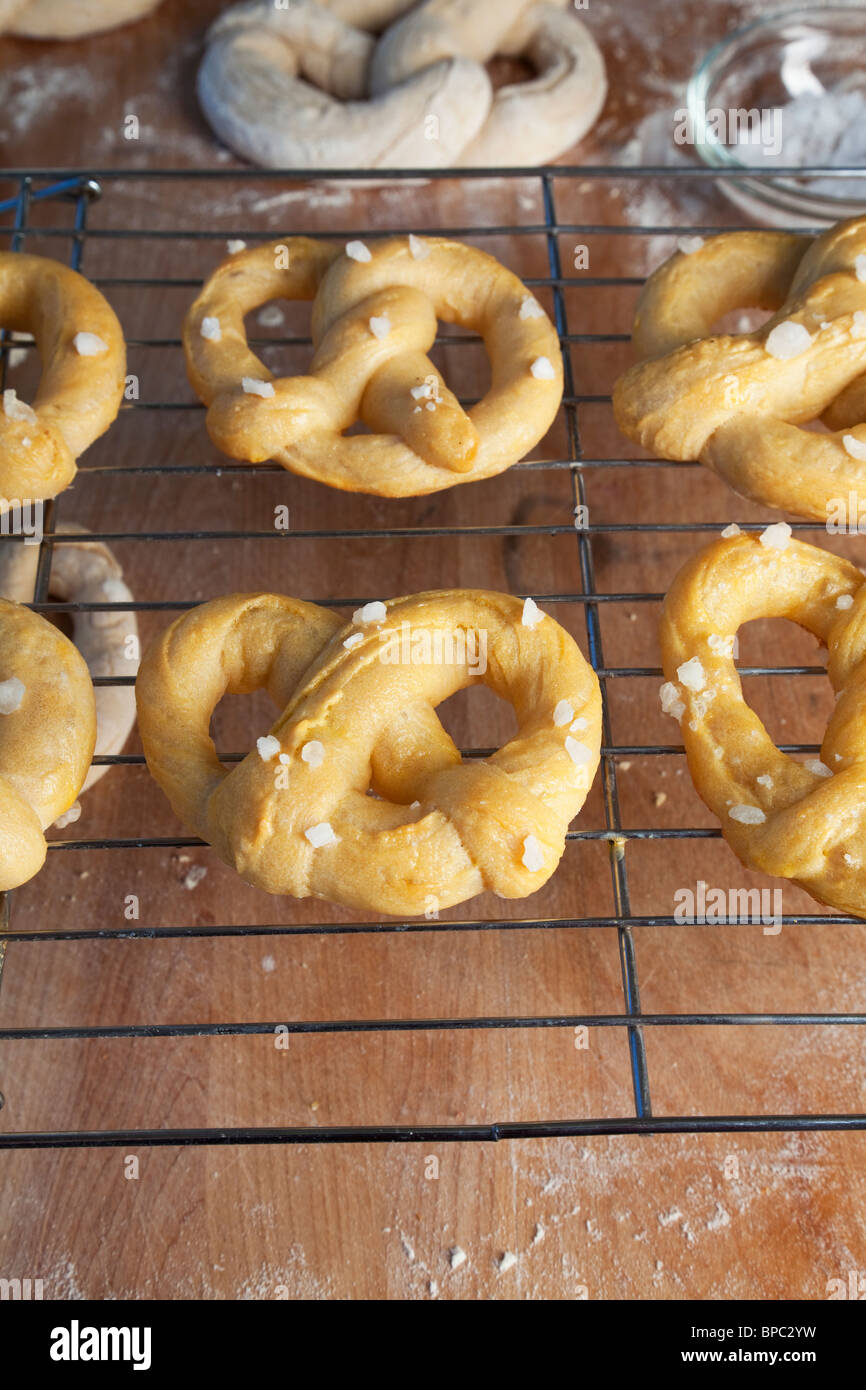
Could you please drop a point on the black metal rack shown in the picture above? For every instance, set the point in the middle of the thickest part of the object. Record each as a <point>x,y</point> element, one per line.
<point>80,189</point>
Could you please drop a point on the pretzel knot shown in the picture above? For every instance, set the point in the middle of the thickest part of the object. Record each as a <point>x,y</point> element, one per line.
<point>83,358</point>
<point>802,821</point>
<point>295,817</point>
<point>375,316</point>
<point>47,735</point>
<point>736,402</point>
<point>317,85</point>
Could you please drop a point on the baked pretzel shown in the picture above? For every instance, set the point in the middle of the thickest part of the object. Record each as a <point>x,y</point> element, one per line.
<point>47,734</point>
<point>86,572</point>
<point>736,402</point>
<point>83,357</point>
<point>802,821</point>
<point>294,816</point>
<point>60,19</point>
<point>374,320</point>
<point>311,85</point>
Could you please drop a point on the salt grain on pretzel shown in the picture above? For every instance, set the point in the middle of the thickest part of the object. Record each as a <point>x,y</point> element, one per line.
<point>303,824</point>
<point>797,820</point>
<point>416,446</point>
<point>738,402</point>
<point>83,359</point>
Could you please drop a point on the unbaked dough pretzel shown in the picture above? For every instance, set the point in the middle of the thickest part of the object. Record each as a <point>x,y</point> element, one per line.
<point>294,817</point>
<point>374,320</point>
<point>83,357</point>
<point>802,821</point>
<point>86,572</point>
<point>47,734</point>
<point>68,19</point>
<point>737,402</point>
<point>308,87</point>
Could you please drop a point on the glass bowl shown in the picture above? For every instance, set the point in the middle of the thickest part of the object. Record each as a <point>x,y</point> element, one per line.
<point>786,91</point>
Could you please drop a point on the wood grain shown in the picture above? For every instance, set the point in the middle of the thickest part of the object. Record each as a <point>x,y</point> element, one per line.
<point>664,1217</point>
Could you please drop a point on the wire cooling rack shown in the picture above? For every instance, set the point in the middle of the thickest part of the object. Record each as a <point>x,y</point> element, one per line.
<point>79,190</point>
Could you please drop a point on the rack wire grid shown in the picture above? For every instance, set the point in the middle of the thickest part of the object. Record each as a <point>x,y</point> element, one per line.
<point>79,189</point>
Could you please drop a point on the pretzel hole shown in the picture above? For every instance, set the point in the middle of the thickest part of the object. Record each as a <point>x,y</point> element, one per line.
<point>477,717</point>
<point>238,720</point>
<point>278,332</point>
<point>463,365</point>
<point>793,709</point>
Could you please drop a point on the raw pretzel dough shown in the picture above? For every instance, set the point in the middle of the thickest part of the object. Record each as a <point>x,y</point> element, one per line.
<point>309,88</point>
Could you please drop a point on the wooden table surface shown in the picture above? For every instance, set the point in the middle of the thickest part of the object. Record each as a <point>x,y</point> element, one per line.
<point>766,1216</point>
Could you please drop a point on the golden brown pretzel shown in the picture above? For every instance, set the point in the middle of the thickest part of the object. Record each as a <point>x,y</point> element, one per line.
<point>802,821</point>
<point>358,712</point>
<point>47,734</point>
<point>737,402</point>
<point>83,358</point>
<point>374,321</point>
<point>86,572</point>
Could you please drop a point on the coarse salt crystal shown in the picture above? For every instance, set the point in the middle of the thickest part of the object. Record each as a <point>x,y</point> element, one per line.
<point>562,713</point>
<point>788,340</point>
<point>532,614</point>
<point>722,646</point>
<point>380,325</point>
<point>313,753</point>
<point>530,308</point>
<point>26,442</point>
<point>860,268</point>
<point>268,747</point>
<point>371,613</point>
<point>507,1261</point>
<point>820,769</point>
<point>690,244</point>
<point>253,387</point>
<point>69,817</point>
<point>747,815</point>
<point>533,854</point>
<point>692,675</point>
<point>14,409</point>
<point>419,393</point>
<point>355,640</point>
<point>777,536</point>
<point>321,834</point>
<point>357,251</point>
<point>418,249</point>
<point>845,601</point>
<point>578,752</point>
<point>670,700</point>
<point>732,530</point>
<point>234,246</point>
<point>542,369</point>
<point>849,860</point>
<point>457,1257</point>
<point>12,692</point>
<point>210,328</point>
<point>284,759</point>
<point>89,345</point>
<point>579,725</point>
<point>855,447</point>
<point>765,780</point>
